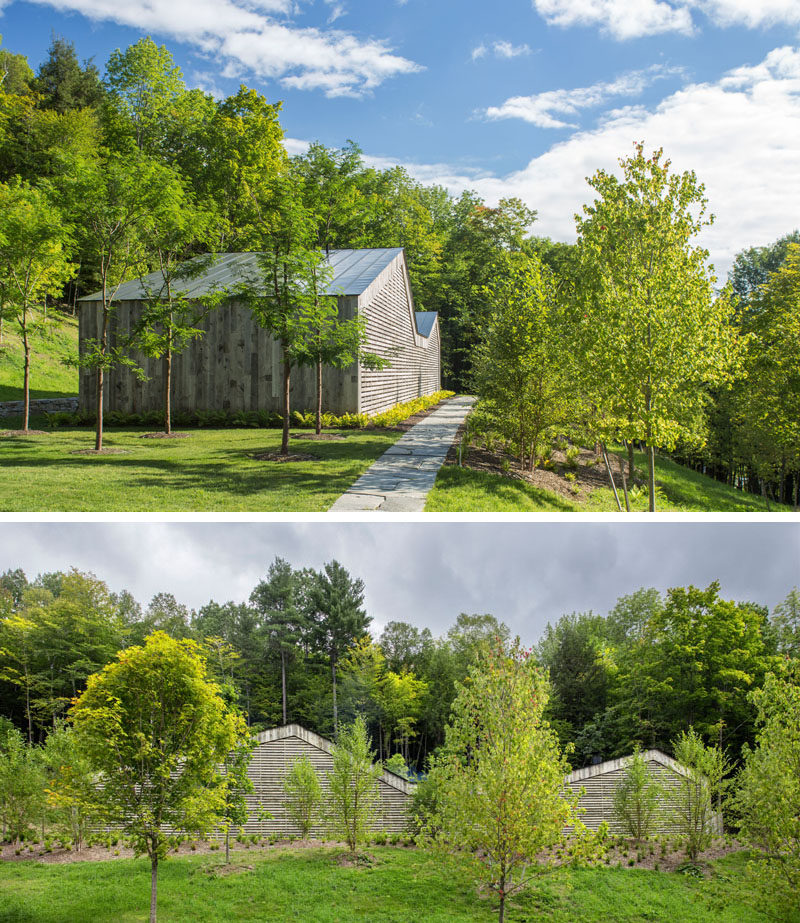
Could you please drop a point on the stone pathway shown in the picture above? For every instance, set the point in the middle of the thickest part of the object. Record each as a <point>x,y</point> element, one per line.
<point>400,480</point>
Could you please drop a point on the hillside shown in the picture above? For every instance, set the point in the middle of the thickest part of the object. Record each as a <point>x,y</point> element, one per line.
<point>50,377</point>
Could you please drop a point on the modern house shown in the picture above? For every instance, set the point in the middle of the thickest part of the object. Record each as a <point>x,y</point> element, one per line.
<point>236,365</point>
<point>273,756</point>
<point>600,783</point>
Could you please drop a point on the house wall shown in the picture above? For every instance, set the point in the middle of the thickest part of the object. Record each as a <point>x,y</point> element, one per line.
<point>391,333</point>
<point>268,767</point>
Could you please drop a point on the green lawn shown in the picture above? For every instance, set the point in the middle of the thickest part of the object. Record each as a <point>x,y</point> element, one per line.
<point>50,377</point>
<point>679,490</point>
<point>400,886</point>
<point>211,470</point>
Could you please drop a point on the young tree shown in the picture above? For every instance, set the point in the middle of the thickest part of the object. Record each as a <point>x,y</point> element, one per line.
<point>654,336</point>
<point>636,798</point>
<point>157,731</point>
<point>693,799</point>
<point>335,602</point>
<point>34,251</point>
<point>500,775</point>
<point>353,785</point>
<point>524,366</point>
<point>237,785</point>
<point>303,794</point>
<point>70,785</point>
<point>22,784</point>
<point>768,796</point>
<point>282,620</point>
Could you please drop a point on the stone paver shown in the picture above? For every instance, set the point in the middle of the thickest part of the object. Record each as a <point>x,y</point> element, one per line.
<point>400,480</point>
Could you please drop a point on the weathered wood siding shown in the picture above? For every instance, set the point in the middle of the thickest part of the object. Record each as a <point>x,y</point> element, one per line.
<point>415,369</point>
<point>272,759</point>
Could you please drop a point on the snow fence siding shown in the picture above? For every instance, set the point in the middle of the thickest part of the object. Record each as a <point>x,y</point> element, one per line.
<point>273,757</point>
<point>600,782</point>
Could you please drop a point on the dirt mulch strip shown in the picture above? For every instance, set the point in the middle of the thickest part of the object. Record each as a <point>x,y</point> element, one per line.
<point>291,457</point>
<point>165,435</point>
<point>406,425</point>
<point>323,437</point>
<point>101,452</point>
<point>25,432</point>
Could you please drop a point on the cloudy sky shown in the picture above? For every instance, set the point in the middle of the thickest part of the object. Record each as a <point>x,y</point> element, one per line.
<point>522,97</point>
<point>426,573</point>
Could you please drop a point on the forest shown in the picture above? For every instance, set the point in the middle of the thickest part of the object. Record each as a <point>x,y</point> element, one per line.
<point>300,650</point>
<point>625,337</point>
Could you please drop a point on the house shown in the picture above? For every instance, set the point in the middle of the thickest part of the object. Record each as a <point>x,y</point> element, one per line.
<point>600,783</point>
<point>236,365</point>
<point>274,753</point>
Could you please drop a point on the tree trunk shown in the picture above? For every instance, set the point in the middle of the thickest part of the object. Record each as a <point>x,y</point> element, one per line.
<point>651,475</point>
<point>624,485</point>
<point>287,368</point>
<point>228,840</point>
<point>98,442</point>
<point>167,390</point>
<point>283,683</point>
<point>611,478</point>
<point>319,397</point>
<point>153,888</point>
<point>26,384</point>
<point>335,709</point>
<point>631,466</point>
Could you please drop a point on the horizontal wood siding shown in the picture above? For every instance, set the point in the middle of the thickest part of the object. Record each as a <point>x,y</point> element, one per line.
<point>414,367</point>
<point>268,768</point>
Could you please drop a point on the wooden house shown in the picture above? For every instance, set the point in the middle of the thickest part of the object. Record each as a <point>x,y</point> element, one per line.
<point>273,756</point>
<point>236,365</point>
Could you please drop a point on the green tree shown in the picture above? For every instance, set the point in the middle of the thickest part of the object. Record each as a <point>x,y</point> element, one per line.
<point>22,783</point>
<point>283,622</point>
<point>303,794</point>
<point>524,364</point>
<point>654,335</point>
<point>62,84</point>
<point>156,731</point>
<point>500,774</point>
<point>16,75</point>
<point>335,605</point>
<point>237,785</point>
<point>34,253</point>
<point>785,622</point>
<point>636,798</point>
<point>353,785</point>
<point>70,785</point>
<point>705,782</point>
<point>767,799</point>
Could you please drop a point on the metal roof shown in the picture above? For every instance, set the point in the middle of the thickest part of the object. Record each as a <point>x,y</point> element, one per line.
<point>425,321</point>
<point>353,272</point>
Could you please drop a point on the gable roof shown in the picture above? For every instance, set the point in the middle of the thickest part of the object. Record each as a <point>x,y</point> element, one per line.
<point>656,756</point>
<point>322,743</point>
<point>353,272</point>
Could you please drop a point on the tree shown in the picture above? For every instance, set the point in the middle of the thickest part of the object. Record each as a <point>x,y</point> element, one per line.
<point>524,364</point>
<point>303,794</point>
<point>353,785</point>
<point>62,84</point>
<point>636,798</point>
<point>21,786</point>
<point>692,800</point>
<point>70,786</point>
<point>282,621</point>
<point>16,75</point>
<point>654,336</point>
<point>156,731</point>
<point>500,775</point>
<point>785,622</point>
<point>34,252</point>
<point>335,603</point>
<point>768,797</point>
<point>237,785</point>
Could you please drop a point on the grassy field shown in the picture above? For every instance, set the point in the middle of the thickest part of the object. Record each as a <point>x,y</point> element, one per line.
<point>679,490</point>
<point>49,376</point>
<point>398,886</point>
<point>210,470</point>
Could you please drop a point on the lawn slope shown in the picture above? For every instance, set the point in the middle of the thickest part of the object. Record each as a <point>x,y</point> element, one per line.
<point>397,886</point>
<point>50,377</point>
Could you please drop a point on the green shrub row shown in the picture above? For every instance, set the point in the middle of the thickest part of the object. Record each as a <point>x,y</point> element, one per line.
<point>252,419</point>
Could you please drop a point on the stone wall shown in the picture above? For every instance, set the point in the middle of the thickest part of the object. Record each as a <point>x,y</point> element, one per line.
<point>40,405</point>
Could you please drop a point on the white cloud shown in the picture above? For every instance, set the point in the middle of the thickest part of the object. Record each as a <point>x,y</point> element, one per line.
<point>738,134</point>
<point>245,35</point>
<point>626,19</point>
<point>539,109</point>
<point>623,19</point>
<point>500,49</point>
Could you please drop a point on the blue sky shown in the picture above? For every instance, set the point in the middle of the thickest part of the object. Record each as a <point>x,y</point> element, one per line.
<point>517,97</point>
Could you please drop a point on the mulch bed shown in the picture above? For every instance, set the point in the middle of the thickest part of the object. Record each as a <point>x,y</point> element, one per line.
<point>25,432</point>
<point>323,437</point>
<point>101,452</point>
<point>165,435</point>
<point>291,457</point>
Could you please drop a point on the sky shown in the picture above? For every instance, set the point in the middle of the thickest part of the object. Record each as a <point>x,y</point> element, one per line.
<point>518,98</point>
<point>526,574</point>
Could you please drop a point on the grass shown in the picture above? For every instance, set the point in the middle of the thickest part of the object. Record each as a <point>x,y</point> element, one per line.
<point>211,470</point>
<point>49,376</point>
<point>399,886</point>
<point>679,489</point>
